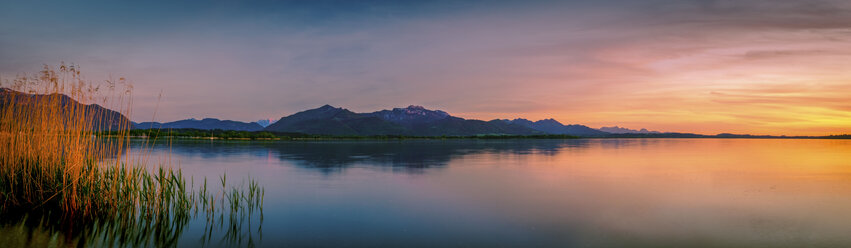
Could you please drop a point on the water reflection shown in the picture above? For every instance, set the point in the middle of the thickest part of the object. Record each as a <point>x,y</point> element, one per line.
<point>52,230</point>
<point>155,210</point>
<point>533,193</point>
<point>237,226</point>
<point>412,156</point>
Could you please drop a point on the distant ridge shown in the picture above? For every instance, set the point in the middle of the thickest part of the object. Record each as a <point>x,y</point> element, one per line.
<point>621,130</point>
<point>204,124</point>
<point>551,126</point>
<point>411,115</point>
<point>265,122</point>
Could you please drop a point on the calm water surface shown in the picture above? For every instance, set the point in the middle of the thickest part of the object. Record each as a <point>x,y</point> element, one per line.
<point>537,193</point>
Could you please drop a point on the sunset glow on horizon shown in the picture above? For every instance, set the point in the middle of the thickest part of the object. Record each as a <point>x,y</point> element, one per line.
<point>708,67</point>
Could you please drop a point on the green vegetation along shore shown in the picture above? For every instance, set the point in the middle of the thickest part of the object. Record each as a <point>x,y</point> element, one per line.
<point>266,135</point>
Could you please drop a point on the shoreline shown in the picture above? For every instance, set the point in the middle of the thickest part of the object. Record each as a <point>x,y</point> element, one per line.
<point>372,138</point>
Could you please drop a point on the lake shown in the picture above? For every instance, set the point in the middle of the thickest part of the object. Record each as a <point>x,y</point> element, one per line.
<point>529,193</point>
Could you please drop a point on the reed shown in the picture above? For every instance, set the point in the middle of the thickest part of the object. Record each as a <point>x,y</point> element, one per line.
<point>53,164</point>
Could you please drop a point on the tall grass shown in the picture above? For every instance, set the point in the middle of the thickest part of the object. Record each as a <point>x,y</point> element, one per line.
<point>54,167</point>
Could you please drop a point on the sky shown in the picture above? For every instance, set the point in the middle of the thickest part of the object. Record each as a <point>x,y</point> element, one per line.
<point>760,67</point>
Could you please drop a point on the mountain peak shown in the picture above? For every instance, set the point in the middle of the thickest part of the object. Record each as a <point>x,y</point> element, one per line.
<point>420,110</point>
<point>265,122</point>
<point>549,121</point>
<point>521,122</point>
<point>620,130</point>
<point>327,109</point>
<point>411,114</point>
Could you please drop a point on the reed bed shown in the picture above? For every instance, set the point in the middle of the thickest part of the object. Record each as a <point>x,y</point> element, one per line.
<point>53,166</point>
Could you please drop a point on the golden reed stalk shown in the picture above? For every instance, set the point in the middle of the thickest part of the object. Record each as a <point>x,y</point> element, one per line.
<point>49,155</point>
<point>51,158</point>
<point>54,161</point>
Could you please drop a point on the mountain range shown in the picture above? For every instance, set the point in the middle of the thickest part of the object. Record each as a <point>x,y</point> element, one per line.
<point>329,120</point>
<point>204,124</point>
<point>409,121</point>
<point>551,126</point>
<point>621,130</point>
<point>414,121</point>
